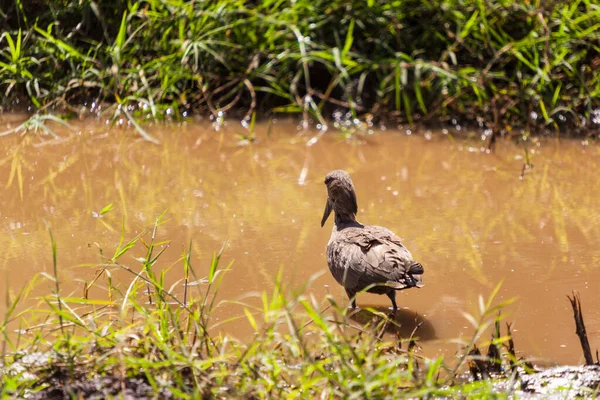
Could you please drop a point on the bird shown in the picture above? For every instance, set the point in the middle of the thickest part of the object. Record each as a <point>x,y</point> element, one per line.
<point>364,257</point>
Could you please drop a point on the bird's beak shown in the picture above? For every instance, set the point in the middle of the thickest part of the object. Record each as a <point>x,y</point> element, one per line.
<point>326,213</point>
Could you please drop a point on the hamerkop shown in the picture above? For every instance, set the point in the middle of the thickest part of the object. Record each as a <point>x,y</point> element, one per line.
<point>364,256</point>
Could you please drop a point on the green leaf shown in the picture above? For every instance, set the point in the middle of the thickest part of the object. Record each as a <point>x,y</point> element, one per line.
<point>106,209</point>
<point>18,47</point>
<point>60,44</point>
<point>397,86</point>
<point>315,316</point>
<point>11,46</point>
<point>290,108</point>
<point>88,301</point>
<point>544,111</point>
<point>252,122</point>
<point>214,263</point>
<point>407,108</point>
<point>122,250</point>
<point>349,39</point>
<point>122,32</point>
<point>420,97</point>
<point>556,94</point>
<point>465,31</point>
<point>434,369</point>
<point>251,319</point>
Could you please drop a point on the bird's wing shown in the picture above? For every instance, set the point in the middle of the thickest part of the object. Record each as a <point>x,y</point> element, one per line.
<point>379,257</point>
<point>346,262</point>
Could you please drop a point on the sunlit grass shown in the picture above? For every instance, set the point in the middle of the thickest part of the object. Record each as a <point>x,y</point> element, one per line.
<point>505,62</point>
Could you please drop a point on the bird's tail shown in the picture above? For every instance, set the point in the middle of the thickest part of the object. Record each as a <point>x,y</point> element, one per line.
<point>415,271</point>
<point>416,268</point>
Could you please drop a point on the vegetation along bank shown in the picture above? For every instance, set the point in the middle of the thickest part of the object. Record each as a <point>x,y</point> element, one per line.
<point>499,64</point>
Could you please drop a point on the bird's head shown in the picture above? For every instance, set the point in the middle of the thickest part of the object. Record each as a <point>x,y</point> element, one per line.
<point>340,196</point>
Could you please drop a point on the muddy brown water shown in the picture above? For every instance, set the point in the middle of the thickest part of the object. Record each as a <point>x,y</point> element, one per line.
<point>466,215</point>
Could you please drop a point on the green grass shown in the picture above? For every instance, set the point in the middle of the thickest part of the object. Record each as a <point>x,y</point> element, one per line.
<point>142,334</point>
<point>500,64</point>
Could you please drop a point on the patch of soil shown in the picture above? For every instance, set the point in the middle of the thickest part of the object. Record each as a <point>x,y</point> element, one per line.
<point>102,387</point>
<point>567,381</point>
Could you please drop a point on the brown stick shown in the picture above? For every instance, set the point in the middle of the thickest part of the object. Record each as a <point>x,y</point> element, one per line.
<point>511,348</point>
<point>495,127</point>
<point>580,328</point>
<point>477,366</point>
<point>493,362</point>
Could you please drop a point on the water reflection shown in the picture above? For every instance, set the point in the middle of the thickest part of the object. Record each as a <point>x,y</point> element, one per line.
<point>464,214</point>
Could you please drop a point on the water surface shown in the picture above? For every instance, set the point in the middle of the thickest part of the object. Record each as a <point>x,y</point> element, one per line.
<point>468,216</point>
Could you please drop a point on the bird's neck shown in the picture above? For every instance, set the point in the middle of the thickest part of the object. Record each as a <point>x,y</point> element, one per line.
<point>343,220</point>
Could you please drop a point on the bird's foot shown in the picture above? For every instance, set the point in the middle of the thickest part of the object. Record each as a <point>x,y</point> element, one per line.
<point>353,310</point>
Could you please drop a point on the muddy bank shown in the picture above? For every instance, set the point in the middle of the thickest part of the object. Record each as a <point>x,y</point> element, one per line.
<point>52,379</point>
<point>564,382</point>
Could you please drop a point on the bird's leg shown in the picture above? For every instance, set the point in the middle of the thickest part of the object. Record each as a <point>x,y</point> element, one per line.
<point>392,295</point>
<point>351,295</point>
